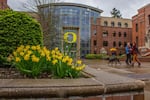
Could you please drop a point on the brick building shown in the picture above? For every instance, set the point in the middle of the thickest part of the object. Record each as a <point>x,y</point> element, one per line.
<point>3,4</point>
<point>141,27</point>
<point>110,32</point>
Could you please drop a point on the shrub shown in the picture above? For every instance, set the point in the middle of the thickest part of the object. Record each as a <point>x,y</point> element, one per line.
<point>96,56</point>
<point>17,29</point>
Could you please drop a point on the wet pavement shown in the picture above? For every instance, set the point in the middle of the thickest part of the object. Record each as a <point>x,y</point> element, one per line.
<point>142,72</point>
<point>136,72</point>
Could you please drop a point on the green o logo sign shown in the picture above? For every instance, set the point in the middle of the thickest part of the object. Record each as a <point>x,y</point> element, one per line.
<point>70,37</point>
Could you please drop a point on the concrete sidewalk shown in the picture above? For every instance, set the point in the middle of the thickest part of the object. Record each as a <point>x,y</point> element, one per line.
<point>140,73</point>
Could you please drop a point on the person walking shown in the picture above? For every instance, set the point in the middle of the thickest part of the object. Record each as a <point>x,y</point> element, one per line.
<point>128,53</point>
<point>135,53</point>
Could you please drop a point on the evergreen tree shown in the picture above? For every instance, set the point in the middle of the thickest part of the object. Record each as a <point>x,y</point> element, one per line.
<point>115,13</point>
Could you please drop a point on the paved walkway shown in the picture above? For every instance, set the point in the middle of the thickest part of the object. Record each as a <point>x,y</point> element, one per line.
<point>140,73</point>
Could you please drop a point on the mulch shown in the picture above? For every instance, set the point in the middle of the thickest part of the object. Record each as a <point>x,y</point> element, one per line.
<point>13,73</point>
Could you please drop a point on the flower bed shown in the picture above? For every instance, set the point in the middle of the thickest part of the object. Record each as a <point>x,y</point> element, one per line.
<point>32,61</point>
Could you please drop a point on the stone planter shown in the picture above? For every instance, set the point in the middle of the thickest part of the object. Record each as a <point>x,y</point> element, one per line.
<point>99,86</point>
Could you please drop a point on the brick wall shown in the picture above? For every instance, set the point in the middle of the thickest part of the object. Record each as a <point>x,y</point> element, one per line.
<point>3,4</point>
<point>99,38</point>
<point>121,96</point>
<point>141,20</point>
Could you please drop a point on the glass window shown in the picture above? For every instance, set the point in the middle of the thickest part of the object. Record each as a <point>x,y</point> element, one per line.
<point>119,34</point>
<point>126,25</point>
<point>119,43</point>
<point>95,42</point>
<point>94,32</point>
<point>105,33</point>
<point>112,24</point>
<point>105,23</point>
<point>125,43</point>
<point>125,34</point>
<point>119,24</point>
<point>114,34</point>
<point>136,27</point>
<point>114,44</point>
<point>149,19</point>
<point>105,43</point>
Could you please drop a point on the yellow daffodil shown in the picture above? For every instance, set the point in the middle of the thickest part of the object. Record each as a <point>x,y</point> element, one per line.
<point>35,59</point>
<point>21,53</point>
<point>33,47</point>
<point>26,57</point>
<point>79,62</point>
<point>17,59</point>
<point>15,53</point>
<point>54,61</point>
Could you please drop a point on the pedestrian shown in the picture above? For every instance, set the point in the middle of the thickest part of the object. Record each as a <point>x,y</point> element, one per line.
<point>135,53</point>
<point>128,53</point>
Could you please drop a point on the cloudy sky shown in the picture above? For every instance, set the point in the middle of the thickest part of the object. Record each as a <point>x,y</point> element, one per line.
<point>128,8</point>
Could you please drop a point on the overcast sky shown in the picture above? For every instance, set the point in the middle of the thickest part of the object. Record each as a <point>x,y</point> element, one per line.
<point>128,8</point>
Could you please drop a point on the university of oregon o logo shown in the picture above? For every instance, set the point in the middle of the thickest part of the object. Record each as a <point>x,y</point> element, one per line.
<point>66,37</point>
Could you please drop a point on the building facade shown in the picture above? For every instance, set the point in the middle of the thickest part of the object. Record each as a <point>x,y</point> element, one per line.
<point>141,27</point>
<point>110,32</point>
<point>75,18</point>
<point>3,4</point>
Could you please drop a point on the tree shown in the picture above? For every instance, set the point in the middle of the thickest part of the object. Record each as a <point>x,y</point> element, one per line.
<point>115,13</point>
<point>47,19</point>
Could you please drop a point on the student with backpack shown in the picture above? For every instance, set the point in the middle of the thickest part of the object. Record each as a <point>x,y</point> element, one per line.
<point>128,53</point>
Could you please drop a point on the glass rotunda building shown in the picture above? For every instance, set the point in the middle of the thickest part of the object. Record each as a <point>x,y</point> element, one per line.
<point>73,17</point>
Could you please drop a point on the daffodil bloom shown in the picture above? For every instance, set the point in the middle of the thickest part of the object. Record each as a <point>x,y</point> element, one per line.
<point>56,49</point>
<point>35,59</point>
<point>15,53</point>
<point>79,62</point>
<point>42,54</point>
<point>53,52</point>
<point>26,57</point>
<point>33,47</point>
<point>59,57</point>
<point>27,47</point>
<point>48,58</point>
<point>54,61</point>
<point>19,49</point>
<point>64,60</point>
<point>29,52</point>
<point>17,59</point>
<point>21,53</point>
<point>38,47</point>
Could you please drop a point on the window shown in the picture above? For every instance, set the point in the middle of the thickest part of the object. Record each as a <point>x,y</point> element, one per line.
<point>119,24</point>
<point>112,24</point>
<point>105,43</point>
<point>114,34</point>
<point>125,34</point>
<point>105,23</point>
<point>95,42</point>
<point>136,27</point>
<point>119,34</point>
<point>126,25</point>
<point>114,44</point>
<point>94,32</point>
<point>149,19</point>
<point>125,43</point>
<point>119,43</point>
<point>105,33</point>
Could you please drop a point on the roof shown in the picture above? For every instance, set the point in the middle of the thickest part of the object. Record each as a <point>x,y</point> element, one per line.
<point>74,4</point>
